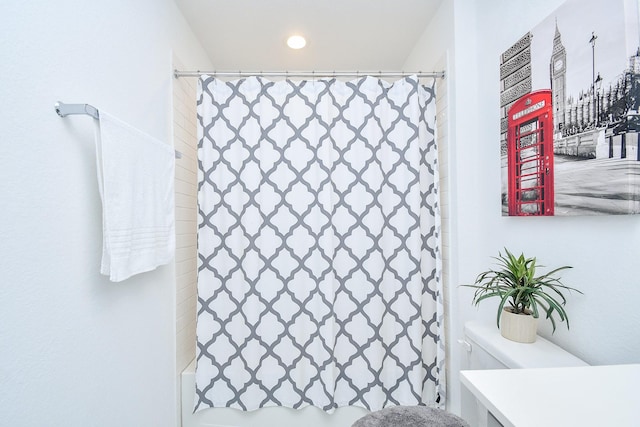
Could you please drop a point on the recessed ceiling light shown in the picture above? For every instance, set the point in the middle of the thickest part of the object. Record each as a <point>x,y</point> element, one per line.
<point>296,42</point>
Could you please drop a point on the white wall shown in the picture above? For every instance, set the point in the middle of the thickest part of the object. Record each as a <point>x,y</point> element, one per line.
<point>605,326</point>
<point>601,249</point>
<point>76,349</point>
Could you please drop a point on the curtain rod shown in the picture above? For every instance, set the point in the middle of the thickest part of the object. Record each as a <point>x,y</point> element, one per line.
<point>312,74</point>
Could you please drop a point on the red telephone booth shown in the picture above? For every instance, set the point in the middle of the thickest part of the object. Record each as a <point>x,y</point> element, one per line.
<point>530,155</point>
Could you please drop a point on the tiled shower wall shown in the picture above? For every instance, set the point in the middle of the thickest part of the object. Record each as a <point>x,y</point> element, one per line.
<point>185,140</point>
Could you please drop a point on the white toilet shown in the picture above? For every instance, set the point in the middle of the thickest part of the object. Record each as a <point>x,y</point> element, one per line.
<point>487,349</point>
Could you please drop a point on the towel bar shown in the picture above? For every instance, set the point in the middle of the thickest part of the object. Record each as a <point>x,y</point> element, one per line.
<point>64,110</point>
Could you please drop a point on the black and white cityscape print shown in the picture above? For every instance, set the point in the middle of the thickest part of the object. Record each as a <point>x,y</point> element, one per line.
<point>570,113</point>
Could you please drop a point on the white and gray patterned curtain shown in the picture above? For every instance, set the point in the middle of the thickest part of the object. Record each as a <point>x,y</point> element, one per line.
<point>318,245</point>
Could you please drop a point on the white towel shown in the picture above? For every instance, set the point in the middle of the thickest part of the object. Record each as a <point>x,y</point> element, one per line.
<point>136,180</point>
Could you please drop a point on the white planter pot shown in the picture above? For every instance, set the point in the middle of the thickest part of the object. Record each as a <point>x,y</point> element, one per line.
<point>518,327</point>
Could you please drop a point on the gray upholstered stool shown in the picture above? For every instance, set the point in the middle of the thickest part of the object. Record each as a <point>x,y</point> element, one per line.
<point>410,416</point>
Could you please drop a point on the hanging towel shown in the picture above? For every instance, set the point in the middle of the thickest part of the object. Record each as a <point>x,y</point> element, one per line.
<point>136,180</point>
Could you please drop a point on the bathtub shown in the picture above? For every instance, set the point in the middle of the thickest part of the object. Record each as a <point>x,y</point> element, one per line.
<point>266,417</point>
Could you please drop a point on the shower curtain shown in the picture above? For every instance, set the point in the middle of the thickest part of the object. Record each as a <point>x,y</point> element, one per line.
<point>318,245</point>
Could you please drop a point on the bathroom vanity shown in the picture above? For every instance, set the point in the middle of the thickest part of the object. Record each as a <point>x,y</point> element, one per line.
<point>565,396</point>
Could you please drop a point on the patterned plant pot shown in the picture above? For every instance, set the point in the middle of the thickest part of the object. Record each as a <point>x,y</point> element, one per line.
<point>518,327</point>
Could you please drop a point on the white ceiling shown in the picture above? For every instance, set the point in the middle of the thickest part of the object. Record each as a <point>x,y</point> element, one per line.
<point>250,35</point>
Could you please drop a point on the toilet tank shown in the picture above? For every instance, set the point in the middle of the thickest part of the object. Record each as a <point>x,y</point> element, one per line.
<point>487,349</point>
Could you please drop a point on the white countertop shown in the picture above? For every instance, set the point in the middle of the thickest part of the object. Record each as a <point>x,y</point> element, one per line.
<point>546,397</point>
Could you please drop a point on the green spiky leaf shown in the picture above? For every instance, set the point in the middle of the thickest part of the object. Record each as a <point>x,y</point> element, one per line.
<point>514,282</point>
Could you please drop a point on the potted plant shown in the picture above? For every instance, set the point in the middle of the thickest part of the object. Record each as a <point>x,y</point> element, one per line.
<point>523,295</point>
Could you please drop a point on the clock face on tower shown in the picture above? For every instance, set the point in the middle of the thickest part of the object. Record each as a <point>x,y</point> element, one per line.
<point>558,64</point>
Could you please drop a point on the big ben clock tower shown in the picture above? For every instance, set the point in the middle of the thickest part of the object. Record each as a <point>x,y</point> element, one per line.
<point>558,74</point>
